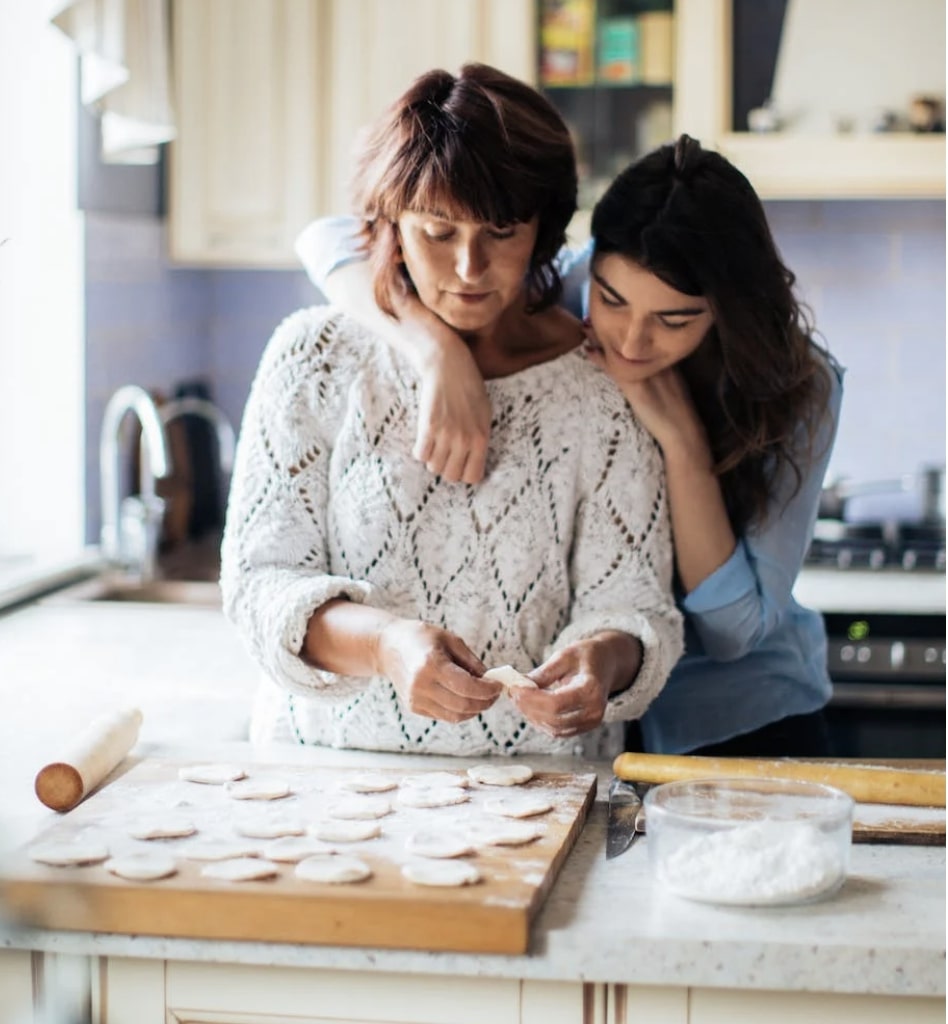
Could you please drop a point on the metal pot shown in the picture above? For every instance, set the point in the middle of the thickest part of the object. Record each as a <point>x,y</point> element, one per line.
<point>927,485</point>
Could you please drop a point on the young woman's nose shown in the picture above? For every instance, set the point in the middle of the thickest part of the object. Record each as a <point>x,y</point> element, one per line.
<point>470,261</point>
<point>635,341</point>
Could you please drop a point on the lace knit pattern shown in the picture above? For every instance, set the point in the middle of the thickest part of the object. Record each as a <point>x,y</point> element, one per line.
<point>567,535</point>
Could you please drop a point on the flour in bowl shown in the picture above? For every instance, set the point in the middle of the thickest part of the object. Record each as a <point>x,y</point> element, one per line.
<point>765,862</point>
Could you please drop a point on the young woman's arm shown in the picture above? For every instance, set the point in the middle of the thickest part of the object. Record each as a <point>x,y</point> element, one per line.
<point>454,411</point>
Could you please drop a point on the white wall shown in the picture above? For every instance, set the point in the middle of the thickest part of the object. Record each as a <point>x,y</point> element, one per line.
<point>41,281</point>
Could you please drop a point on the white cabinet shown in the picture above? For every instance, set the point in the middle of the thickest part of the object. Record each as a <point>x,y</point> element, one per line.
<point>632,1005</point>
<point>783,165</point>
<point>271,94</point>
<point>173,992</point>
<point>246,167</point>
<point>16,987</point>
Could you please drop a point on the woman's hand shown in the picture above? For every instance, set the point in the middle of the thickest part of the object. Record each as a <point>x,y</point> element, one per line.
<point>574,684</point>
<point>662,403</point>
<point>433,671</point>
<point>454,416</point>
<point>454,411</point>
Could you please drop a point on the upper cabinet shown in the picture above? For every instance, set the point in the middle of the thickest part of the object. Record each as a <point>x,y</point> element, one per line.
<point>271,95</point>
<point>836,71</point>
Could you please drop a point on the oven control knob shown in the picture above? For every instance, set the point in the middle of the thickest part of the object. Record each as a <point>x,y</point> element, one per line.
<point>863,654</point>
<point>847,652</point>
<point>897,654</point>
<point>931,655</point>
<point>877,558</point>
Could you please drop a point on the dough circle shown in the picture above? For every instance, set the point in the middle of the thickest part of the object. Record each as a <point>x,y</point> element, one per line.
<point>504,833</point>
<point>510,678</point>
<point>500,774</point>
<point>438,796</point>
<point>441,873</point>
<point>270,828</point>
<point>257,788</point>
<point>369,782</point>
<point>142,867</point>
<point>360,808</point>
<point>162,826</point>
<point>241,869</point>
<point>439,845</point>
<point>290,849</point>
<point>211,774</point>
<point>436,780</point>
<point>336,869</point>
<point>521,805</point>
<point>339,831</point>
<point>67,854</point>
<point>218,849</point>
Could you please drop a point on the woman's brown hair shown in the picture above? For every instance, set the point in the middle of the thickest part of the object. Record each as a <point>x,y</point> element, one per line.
<point>691,218</point>
<point>478,146</point>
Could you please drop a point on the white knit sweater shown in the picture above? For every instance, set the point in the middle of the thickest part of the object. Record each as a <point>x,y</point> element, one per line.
<point>566,536</point>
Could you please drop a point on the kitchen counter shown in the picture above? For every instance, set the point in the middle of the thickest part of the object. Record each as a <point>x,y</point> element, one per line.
<point>604,922</point>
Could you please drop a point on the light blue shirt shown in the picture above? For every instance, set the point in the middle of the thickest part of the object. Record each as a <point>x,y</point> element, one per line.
<point>753,655</point>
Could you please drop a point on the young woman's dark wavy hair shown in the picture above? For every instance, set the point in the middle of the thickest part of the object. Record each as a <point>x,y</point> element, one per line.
<point>691,218</point>
<point>478,146</point>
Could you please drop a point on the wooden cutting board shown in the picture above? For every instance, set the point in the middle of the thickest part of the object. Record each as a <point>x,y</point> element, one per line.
<point>386,911</point>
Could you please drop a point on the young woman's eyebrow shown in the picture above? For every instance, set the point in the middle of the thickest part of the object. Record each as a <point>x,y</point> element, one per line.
<point>684,311</point>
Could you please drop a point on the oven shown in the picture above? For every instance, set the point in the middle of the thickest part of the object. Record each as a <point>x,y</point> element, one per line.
<point>881,591</point>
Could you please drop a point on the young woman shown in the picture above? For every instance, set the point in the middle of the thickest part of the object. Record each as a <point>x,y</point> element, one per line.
<point>692,313</point>
<point>374,595</point>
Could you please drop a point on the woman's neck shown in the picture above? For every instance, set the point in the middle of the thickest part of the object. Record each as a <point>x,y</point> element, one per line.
<point>518,340</point>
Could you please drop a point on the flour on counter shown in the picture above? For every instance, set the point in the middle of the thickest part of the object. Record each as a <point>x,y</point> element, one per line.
<point>760,863</point>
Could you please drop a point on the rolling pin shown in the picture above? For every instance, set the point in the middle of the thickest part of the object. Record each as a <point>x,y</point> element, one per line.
<point>866,784</point>
<point>86,762</point>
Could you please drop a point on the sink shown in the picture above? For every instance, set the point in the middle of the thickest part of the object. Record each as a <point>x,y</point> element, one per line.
<point>202,593</point>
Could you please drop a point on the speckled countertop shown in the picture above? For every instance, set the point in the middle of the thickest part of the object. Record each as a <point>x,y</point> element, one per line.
<point>62,662</point>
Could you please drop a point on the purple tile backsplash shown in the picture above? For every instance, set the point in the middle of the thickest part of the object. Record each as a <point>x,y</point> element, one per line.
<point>873,274</point>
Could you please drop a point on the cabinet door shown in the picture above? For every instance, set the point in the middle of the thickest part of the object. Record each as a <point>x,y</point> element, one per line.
<point>233,994</point>
<point>245,169</point>
<point>16,986</point>
<point>379,47</point>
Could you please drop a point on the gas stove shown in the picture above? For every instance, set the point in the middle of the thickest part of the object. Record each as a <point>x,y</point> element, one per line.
<point>900,546</point>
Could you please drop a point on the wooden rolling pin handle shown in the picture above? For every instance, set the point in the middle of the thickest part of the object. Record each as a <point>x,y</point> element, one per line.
<point>864,783</point>
<point>64,783</point>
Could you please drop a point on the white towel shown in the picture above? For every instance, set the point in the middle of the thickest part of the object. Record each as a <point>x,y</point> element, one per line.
<point>125,72</point>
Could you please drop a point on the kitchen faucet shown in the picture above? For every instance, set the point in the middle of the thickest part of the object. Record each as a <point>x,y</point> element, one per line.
<point>193,406</point>
<point>131,526</point>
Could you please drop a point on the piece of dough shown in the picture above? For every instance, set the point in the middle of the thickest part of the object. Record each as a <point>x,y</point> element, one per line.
<point>348,831</point>
<point>510,678</point>
<point>270,828</point>
<point>519,805</point>
<point>218,849</point>
<point>258,787</point>
<point>211,774</point>
<point>440,845</point>
<point>360,808</point>
<point>290,849</point>
<point>435,780</point>
<point>142,867</point>
<point>444,796</point>
<point>241,869</point>
<point>500,774</point>
<point>504,833</point>
<point>336,869</point>
<point>441,873</point>
<point>162,826</point>
<point>67,854</point>
<point>369,782</point>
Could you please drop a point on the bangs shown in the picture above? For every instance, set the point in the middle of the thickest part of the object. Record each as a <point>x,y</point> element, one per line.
<point>455,183</point>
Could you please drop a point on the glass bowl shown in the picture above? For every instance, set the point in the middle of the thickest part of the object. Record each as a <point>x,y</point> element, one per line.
<point>749,842</point>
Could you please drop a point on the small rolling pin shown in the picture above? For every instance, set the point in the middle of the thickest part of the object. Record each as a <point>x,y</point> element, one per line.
<point>87,761</point>
<point>866,784</point>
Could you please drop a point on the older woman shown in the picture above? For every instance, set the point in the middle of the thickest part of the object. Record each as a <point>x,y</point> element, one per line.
<point>373,594</point>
